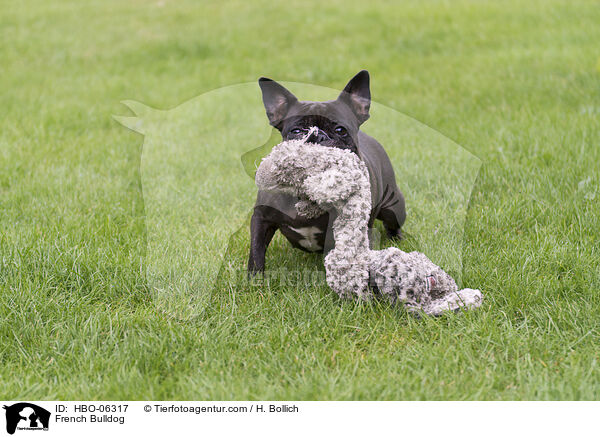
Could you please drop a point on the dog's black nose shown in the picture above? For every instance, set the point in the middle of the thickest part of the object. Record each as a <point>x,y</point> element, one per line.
<point>318,136</point>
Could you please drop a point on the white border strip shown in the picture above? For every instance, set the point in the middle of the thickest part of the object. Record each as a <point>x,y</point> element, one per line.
<point>320,418</point>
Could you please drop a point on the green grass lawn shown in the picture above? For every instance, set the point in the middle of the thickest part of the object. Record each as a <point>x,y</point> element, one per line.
<point>516,84</point>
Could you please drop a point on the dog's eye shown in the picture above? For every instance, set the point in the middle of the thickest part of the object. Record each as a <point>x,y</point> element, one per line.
<point>341,131</point>
<point>296,131</point>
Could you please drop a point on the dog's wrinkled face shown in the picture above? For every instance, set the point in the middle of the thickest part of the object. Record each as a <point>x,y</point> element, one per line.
<point>337,120</point>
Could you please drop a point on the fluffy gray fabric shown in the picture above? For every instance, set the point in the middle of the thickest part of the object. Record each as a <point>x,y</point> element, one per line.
<point>336,180</point>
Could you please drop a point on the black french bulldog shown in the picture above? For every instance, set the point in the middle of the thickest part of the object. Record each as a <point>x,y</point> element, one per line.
<point>338,123</point>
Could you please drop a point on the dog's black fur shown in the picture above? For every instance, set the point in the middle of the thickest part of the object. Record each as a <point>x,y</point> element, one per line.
<point>338,122</point>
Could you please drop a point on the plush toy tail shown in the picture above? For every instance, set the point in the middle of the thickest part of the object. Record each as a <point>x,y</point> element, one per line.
<point>467,299</point>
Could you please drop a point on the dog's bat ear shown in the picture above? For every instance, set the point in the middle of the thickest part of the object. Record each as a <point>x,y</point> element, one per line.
<point>277,100</point>
<point>357,95</point>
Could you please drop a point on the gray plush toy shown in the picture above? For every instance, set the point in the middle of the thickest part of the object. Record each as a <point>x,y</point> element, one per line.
<point>337,181</point>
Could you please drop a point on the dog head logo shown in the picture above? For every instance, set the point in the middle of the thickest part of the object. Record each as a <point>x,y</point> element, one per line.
<point>26,416</point>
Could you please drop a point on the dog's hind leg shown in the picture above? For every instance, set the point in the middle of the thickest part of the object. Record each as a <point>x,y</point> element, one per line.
<point>393,213</point>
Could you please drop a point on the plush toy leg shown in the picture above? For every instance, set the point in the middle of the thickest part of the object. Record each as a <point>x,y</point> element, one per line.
<point>466,298</point>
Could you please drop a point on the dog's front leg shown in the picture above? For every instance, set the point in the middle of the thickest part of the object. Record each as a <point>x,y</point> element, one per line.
<point>261,233</point>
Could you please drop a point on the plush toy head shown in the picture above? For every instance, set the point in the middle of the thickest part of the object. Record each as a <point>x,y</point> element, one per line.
<point>323,176</point>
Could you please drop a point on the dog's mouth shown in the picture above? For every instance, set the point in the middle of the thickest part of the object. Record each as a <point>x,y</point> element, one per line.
<point>324,140</point>
<point>334,144</point>
<point>338,145</point>
<point>314,135</point>
<point>331,143</point>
